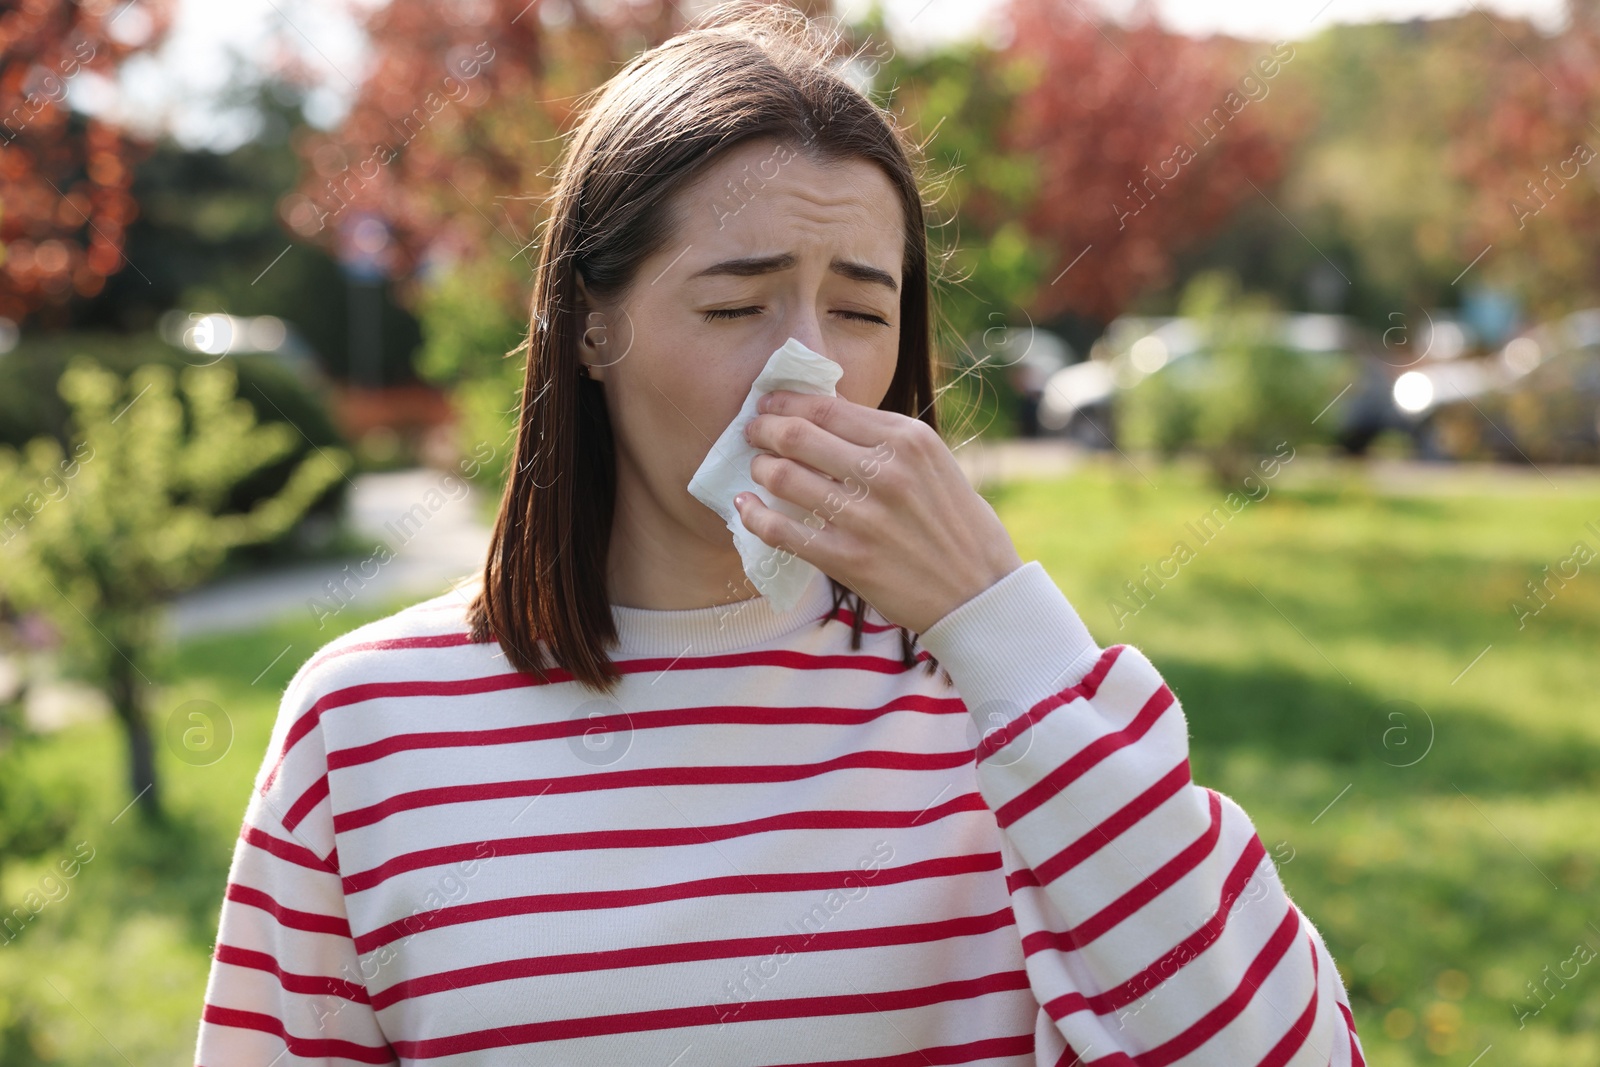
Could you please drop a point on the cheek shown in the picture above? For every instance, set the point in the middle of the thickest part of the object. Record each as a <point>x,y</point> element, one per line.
<point>668,402</point>
<point>869,373</point>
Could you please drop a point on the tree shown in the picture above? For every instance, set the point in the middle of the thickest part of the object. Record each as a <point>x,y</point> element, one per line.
<point>957,99</point>
<point>1531,155</point>
<point>1145,141</point>
<point>451,140</point>
<point>64,178</point>
<point>97,541</point>
<point>208,239</point>
<point>438,174</point>
<point>1242,395</point>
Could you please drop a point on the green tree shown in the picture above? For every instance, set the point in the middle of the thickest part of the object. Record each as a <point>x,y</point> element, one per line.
<point>955,100</point>
<point>474,346</point>
<point>1242,393</point>
<point>97,541</point>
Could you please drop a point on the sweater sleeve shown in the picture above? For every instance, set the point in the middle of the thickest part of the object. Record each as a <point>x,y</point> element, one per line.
<point>285,985</point>
<point>1153,923</point>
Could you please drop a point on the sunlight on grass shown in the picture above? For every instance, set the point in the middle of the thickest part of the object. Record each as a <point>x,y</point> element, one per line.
<point>1436,822</point>
<point>1318,642</point>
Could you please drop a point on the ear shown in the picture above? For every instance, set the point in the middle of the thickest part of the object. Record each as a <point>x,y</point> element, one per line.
<point>594,331</point>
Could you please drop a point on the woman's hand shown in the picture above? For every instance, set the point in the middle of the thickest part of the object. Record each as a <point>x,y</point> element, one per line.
<point>892,516</point>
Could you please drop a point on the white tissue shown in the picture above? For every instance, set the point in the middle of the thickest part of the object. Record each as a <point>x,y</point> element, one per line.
<point>726,473</point>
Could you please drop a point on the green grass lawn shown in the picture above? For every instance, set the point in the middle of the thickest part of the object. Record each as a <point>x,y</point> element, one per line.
<point>1318,644</point>
<point>1438,826</point>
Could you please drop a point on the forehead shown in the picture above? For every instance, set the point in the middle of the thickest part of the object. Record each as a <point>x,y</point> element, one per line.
<point>765,191</point>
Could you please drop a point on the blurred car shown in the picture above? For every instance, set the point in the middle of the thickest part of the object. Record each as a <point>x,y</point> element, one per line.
<point>207,337</point>
<point>1080,401</point>
<point>1536,399</point>
<point>1369,408</point>
<point>278,376</point>
<point>1029,356</point>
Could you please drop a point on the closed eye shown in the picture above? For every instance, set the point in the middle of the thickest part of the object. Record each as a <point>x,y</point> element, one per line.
<point>739,313</point>
<point>730,313</point>
<point>864,317</point>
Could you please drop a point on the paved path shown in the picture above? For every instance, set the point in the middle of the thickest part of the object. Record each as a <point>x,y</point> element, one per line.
<point>1044,458</point>
<point>445,540</point>
<point>985,464</point>
<point>435,541</point>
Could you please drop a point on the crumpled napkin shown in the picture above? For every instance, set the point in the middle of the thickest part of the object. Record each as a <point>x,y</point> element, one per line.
<point>726,472</point>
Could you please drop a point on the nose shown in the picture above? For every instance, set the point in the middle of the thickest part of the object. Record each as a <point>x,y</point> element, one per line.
<point>805,326</point>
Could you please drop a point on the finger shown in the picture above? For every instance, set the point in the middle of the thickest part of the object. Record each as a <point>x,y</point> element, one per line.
<point>799,484</point>
<point>802,441</point>
<point>840,416</point>
<point>812,541</point>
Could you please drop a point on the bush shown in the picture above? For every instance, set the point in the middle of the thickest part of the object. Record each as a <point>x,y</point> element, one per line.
<point>100,541</point>
<point>473,348</point>
<point>1242,394</point>
<point>31,405</point>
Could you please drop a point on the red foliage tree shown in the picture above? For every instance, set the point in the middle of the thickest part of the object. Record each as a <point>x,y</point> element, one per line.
<point>1532,158</point>
<point>452,140</point>
<point>64,178</point>
<point>1144,140</point>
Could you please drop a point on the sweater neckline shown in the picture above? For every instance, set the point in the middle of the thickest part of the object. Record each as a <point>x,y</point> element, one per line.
<point>718,627</point>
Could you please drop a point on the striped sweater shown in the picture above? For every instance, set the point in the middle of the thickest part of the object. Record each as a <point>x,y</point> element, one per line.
<point>767,848</point>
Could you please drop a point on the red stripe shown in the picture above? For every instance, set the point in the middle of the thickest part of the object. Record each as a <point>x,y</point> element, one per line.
<point>729,715</point>
<point>772,657</point>
<point>646,776</point>
<point>387,644</point>
<point>1350,1030</point>
<point>848,617</point>
<point>711,1014</point>
<point>308,1047</point>
<point>720,716</point>
<point>653,955</point>
<point>591,900</point>
<point>308,801</point>
<point>1116,824</point>
<point>286,850</point>
<point>655,838</point>
<point>1070,1058</point>
<point>785,658</point>
<point>988,1048</point>
<point>1189,948</point>
<point>1080,762</point>
<point>288,917</point>
<point>1209,1024</point>
<point>1022,876</point>
<point>1086,687</point>
<point>1163,879</point>
<point>292,982</point>
<point>1301,1030</point>
<point>355,694</point>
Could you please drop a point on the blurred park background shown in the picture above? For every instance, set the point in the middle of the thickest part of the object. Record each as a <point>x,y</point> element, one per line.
<point>1276,339</point>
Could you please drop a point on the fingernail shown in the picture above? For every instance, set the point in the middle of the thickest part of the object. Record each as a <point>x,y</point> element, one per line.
<point>739,499</point>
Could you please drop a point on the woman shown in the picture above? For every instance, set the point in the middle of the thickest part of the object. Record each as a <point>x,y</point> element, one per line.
<point>610,806</point>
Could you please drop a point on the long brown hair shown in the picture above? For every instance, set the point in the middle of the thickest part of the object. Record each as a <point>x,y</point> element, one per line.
<point>741,71</point>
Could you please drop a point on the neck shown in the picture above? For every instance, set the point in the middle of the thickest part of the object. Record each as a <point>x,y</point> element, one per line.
<point>656,562</point>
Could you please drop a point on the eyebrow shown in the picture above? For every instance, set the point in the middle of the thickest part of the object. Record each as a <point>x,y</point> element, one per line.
<point>753,265</point>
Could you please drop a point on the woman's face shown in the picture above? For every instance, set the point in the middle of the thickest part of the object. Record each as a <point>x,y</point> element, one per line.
<point>769,245</point>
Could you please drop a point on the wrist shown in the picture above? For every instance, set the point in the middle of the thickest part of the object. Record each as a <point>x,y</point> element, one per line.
<point>995,570</point>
